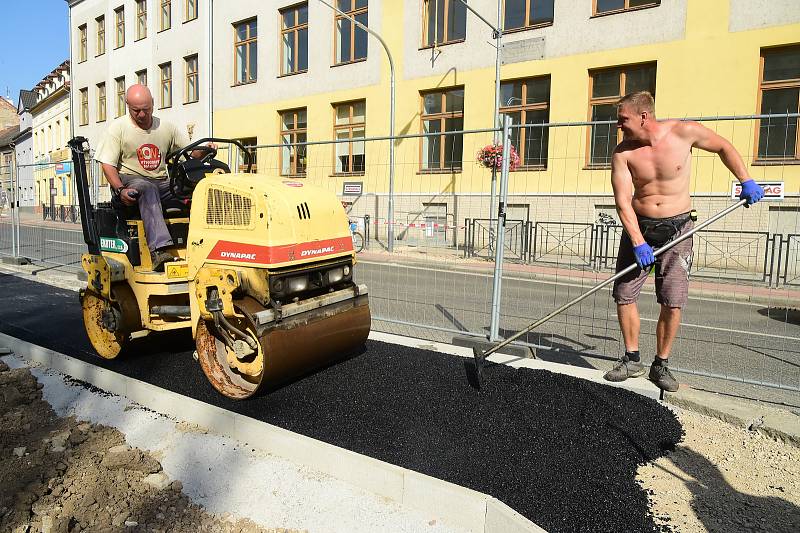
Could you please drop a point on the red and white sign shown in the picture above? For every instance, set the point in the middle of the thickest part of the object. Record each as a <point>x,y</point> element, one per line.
<point>149,156</point>
<point>253,253</point>
<point>773,190</point>
<point>292,183</point>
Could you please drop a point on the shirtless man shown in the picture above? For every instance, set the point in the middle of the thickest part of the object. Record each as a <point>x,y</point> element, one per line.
<point>650,172</point>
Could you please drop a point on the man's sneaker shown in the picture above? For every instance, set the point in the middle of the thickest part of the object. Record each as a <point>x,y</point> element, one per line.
<point>624,369</point>
<point>662,377</point>
<point>159,257</point>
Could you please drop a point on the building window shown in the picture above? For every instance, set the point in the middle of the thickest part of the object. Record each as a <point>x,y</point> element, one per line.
<point>141,19</point>
<point>191,10</point>
<point>119,22</point>
<point>166,85</point>
<point>519,14</point>
<point>293,130</point>
<point>192,93</point>
<point>101,102</point>
<point>349,125</point>
<point>141,77</point>
<point>101,35</point>
<point>606,87</point>
<point>165,17</point>
<point>779,93</point>
<point>351,41</point>
<point>82,46</point>
<point>84,106</point>
<point>442,111</point>
<point>528,102</point>
<point>120,85</point>
<point>294,39</point>
<point>249,143</point>
<point>603,7</point>
<point>245,52</point>
<point>444,21</point>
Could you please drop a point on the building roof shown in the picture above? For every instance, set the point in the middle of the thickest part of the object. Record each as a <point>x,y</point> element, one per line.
<point>7,135</point>
<point>27,99</point>
<point>6,103</point>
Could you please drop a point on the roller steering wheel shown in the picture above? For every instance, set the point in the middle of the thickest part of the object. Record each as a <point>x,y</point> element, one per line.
<point>185,171</point>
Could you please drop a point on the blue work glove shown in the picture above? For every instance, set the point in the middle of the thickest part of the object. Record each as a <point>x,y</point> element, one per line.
<point>644,255</point>
<point>752,192</point>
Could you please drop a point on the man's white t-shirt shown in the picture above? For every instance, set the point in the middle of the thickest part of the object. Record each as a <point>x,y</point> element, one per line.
<point>139,152</point>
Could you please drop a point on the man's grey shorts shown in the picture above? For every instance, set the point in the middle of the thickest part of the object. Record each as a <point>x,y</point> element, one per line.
<point>671,271</point>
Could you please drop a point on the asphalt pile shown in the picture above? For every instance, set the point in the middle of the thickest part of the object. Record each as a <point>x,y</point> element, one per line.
<point>561,451</point>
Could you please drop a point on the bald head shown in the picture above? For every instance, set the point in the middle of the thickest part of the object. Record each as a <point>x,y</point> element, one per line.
<point>140,105</point>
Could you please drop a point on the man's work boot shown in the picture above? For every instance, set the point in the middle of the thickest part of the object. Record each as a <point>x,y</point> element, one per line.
<point>159,257</point>
<point>662,377</point>
<point>624,369</point>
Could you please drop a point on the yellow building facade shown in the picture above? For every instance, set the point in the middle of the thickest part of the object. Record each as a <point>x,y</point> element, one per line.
<point>702,58</point>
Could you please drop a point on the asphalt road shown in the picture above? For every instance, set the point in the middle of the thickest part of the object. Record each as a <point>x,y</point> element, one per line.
<point>745,343</point>
<point>738,340</point>
<point>561,451</point>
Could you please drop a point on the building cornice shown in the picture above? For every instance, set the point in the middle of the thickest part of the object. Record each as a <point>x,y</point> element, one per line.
<point>50,98</point>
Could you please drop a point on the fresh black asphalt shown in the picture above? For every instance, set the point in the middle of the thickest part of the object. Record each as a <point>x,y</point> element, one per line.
<point>561,451</point>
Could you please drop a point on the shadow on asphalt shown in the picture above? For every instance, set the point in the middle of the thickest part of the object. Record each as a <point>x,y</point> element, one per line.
<point>788,315</point>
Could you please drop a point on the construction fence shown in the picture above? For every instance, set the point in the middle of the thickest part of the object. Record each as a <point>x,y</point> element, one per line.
<point>430,223</point>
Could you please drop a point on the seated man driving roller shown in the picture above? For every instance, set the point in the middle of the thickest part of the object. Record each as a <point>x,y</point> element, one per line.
<point>132,156</point>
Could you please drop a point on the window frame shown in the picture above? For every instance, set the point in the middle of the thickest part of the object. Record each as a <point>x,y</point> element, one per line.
<point>447,41</point>
<point>100,25</point>
<point>188,15</point>
<point>188,76</point>
<point>138,75</point>
<point>293,133</point>
<point>101,102</point>
<point>245,43</point>
<point>352,12</point>
<point>790,83</point>
<point>527,25</point>
<point>141,20</point>
<point>626,9</point>
<point>121,105</point>
<point>83,45</point>
<point>605,100</point>
<point>84,109</point>
<point>522,108</point>
<point>296,29</point>
<point>165,82</point>
<point>442,117</point>
<point>119,27</point>
<point>349,127</point>
<point>251,148</point>
<point>165,15</point>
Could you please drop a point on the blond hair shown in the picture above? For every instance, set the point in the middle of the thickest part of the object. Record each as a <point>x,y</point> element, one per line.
<point>639,102</point>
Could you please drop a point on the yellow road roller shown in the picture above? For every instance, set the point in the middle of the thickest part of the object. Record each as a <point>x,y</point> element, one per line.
<point>262,272</point>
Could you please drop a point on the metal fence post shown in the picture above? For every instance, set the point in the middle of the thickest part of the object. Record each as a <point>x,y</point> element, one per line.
<point>494,327</point>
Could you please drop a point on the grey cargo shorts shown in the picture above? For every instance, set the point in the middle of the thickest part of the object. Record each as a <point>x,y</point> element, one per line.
<point>671,271</point>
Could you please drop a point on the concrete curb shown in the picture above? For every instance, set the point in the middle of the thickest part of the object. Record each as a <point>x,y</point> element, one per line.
<point>773,422</point>
<point>458,505</point>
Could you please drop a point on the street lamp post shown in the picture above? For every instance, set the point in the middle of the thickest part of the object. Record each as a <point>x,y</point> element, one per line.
<point>498,36</point>
<point>390,214</point>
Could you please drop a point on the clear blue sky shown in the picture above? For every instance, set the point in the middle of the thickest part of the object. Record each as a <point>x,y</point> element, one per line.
<point>34,39</point>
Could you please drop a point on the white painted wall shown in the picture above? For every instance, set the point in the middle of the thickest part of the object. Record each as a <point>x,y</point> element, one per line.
<point>573,31</point>
<point>753,14</point>
<point>181,40</point>
<point>321,77</point>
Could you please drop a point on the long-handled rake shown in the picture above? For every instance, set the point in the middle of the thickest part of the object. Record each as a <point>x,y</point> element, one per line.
<point>481,355</point>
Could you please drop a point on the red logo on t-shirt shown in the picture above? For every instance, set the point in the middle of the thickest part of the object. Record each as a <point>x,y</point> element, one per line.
<point>149,156</point>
